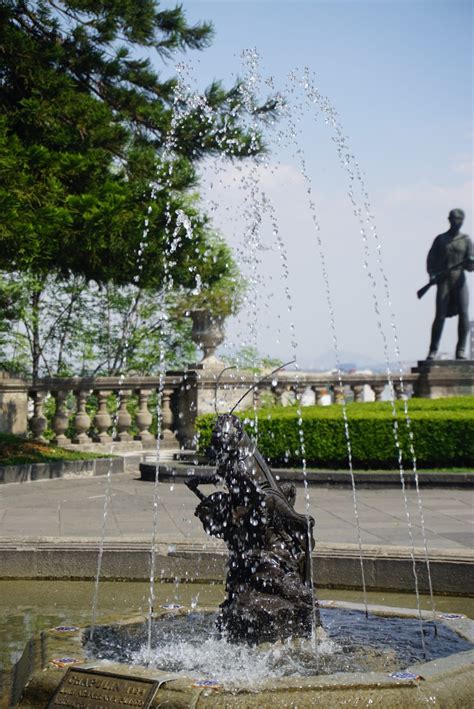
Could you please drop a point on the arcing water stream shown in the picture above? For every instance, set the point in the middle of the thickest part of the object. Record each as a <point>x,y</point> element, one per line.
<point>258,204</point>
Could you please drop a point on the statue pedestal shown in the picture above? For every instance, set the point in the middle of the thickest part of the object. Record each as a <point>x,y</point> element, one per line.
<point>444,377</point>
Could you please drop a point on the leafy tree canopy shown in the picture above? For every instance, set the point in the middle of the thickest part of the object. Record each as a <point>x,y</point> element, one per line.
<point>89,132</point>
<point>70,327</point>
<point>51,326</point>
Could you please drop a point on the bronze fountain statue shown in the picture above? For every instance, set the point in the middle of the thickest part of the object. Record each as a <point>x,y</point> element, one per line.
<point>269,585</point>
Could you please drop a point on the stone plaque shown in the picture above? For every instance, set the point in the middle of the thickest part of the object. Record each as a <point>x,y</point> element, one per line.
<point>91,688</point>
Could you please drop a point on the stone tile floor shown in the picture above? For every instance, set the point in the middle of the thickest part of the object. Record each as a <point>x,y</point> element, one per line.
<point>73,509</point>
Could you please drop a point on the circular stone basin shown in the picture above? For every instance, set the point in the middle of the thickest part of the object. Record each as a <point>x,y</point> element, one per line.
<point>205,672</point>
<point>188,643</point>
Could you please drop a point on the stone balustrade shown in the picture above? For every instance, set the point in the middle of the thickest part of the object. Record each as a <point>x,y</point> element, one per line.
<point>86,414</point>
<point>307,388</point>
<point>82,412</point>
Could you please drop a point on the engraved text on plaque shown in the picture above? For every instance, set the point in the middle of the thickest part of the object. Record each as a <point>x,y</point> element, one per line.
<point>89,688</point>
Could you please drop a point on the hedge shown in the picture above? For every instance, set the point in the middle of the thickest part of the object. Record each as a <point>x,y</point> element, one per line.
<point>443,434</point>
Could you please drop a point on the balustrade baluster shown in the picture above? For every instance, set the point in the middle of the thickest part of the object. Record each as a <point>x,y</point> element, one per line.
<point>144,418</point>
<point>167,434</point>
<point>82,421</point>
<point>378,390</point>
<point>358,390</point>
<point>338,394</point>
<point>124,419</point>
<point>297,390</point>
<point>318,393</point>
<point>281,392</point>
<point>38,421</point>
<point>102,419</point>
<point>257,398</point>
<point>398,388</point>
<point>60,421</point>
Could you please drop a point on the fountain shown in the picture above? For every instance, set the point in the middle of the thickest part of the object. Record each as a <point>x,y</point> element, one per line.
<point>270,643</point>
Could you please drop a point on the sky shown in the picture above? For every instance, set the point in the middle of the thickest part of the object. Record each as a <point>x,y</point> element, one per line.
<point>399,75</point>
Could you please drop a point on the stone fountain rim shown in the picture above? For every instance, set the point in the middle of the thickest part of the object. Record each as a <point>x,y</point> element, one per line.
<point>430,671</point>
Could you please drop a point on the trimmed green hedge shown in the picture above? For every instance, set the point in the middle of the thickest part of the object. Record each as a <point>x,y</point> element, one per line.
<point>443,434</point>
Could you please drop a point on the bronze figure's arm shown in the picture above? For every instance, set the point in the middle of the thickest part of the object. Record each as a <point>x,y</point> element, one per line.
<point>194,481</point>
<point>435,278</point>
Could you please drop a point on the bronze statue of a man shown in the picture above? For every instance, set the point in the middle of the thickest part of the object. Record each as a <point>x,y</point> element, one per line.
<point>451,255</point>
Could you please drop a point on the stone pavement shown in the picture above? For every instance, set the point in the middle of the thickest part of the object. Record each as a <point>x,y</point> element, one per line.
<point>73,509</point>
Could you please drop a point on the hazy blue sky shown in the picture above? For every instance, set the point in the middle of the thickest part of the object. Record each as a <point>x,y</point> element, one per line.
<point>399,73</point>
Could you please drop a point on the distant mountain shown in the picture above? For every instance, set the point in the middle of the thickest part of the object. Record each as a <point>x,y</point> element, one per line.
<point>348,361</point>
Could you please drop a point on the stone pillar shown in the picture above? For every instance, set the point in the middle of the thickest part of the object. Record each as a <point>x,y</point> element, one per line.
<point>144,419</point>
<point>440,378</point>
<point>13,405</point>
<point>358,390</point>
<point>186,408</point>
<point>378,390</point>
<point>38,421</point>
<point>102,419</point>
<point>167,434</point>
<point>82,421</point>
<point>60,421</point>
<point>124,420</point>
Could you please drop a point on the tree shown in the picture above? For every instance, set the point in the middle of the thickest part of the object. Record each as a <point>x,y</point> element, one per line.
<point>97,153</point>
<point>66,328</point>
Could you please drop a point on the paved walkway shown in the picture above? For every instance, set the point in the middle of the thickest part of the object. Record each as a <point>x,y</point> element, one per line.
<point>73,509</point>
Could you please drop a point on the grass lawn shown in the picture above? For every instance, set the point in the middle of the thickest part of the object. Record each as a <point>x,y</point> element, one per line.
<point>16,451</point>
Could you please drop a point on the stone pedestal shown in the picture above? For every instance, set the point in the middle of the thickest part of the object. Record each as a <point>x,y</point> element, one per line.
<point>444,377</point>
<point>13,405</point>
<point>197,395</point>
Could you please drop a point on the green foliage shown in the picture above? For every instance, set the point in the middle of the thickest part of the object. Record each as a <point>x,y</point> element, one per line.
<point>88,130</point>
<point>249,358</point>
<point>443,433</point>
<point>17,451</point>
<point>65,328</point>
<point>219,285</point>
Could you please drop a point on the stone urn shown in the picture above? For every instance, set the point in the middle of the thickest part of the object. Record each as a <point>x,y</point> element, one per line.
<point>207,334</point>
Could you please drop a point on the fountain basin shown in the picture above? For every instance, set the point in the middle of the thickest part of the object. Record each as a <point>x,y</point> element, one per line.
<point>444,681</point>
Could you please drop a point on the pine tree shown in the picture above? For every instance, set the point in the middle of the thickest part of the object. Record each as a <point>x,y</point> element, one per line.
<point>87,127</point>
